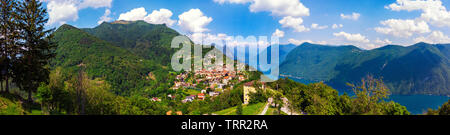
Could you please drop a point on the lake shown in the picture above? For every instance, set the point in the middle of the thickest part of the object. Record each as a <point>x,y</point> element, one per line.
<point>416,104</point>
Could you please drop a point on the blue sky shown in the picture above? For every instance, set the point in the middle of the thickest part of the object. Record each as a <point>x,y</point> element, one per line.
<point>365,23</point>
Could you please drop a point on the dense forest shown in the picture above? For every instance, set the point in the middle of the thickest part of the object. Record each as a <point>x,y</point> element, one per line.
<point>417,69</point>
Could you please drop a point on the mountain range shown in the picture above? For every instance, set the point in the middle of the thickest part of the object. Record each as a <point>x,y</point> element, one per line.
<point>122,53</point>
<point>418,69</point>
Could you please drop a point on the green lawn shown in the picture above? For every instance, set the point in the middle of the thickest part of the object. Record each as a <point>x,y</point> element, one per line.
<point>191,92</point>
<point>228,111</point>
<point>273,111</point>
<point>253,109</point>
<point>270,111</point>
<point>36,112</point>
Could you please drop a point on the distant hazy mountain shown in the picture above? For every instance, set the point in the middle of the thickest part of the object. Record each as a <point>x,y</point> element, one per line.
<point>284,51</point>
<point>418,69</point>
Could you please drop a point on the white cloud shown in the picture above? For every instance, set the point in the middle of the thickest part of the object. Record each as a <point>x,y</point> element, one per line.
<point>95,3</point>
<point>353,16</point>
<point>62,11</point>
<point>156,17</point>
<point>194,21</point>
<point>160,17</point>
<point>383,42</point>
<point>290,10</point>
<point>105,17</point>
<point>278,33</point>
<point>232,1</point>
<point>134,14</point>
<point>317,26</point>
<point>280,7</point>
<point>335,26</point>
<point>352,37</point>
<point>222,39</point>
<point>299,42</point>
<point>207,39</point>
<point>433,11</point>
<point>402,28</point>
<point>370,46</point>
<point>294,23</point>
<point>435,37</point>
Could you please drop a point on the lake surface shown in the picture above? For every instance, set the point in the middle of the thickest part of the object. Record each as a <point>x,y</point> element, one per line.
<point>416,104</point>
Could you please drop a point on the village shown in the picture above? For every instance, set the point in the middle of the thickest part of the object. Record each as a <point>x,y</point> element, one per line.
<point>207,82</point>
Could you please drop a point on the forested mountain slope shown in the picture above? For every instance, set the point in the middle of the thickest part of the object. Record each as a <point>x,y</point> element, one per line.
<point>418,69</point>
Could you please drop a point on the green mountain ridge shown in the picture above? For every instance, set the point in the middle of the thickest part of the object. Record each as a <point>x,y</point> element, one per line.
<point>418,69</point>
<point>121,67</point>
<point>144,39</point>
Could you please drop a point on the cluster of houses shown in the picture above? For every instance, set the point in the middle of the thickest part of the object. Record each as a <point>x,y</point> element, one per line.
<point>200,96</point>
<point>215,80</point>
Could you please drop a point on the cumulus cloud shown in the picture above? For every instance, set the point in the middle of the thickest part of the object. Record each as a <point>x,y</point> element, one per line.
<point>435,37</point>
<point>353,16</point>
<point>95,3</point>
<point>134,14</point>
<point>299,42</point>
<point>62,11</point>
<point>294,23</point>
<point>278,33</point>
<point>335,26</point>
<point>208,38</point>
<point>105,17</point>
<point>280,7</point>
<point>290,10</point>
<point>194,21</point>
<point>402,28</point>
<point>161,16</point>
<point>232,1</point>
<point>223,39</point>
<point>383,42</point>
<point>317,26</point>
<point>433,11</point>
<point>352,37</point>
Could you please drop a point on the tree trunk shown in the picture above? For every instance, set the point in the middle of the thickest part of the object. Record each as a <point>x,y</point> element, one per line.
<point>7,84</point>
<point>1,86</point>
<point>29,96</point>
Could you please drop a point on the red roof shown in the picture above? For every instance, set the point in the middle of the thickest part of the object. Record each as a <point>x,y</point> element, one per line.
<point>249,83</point>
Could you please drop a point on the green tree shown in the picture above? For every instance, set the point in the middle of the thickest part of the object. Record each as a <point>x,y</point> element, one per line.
<point>443,110</point>
<point>278,99</point>
<point>239,109</point>
<point>32,67</point>
<point>370,95</point>
<point>9,36</point>
<point>53,96</point>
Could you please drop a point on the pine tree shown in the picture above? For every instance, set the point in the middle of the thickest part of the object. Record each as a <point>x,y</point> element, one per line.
<point>9,36</point>
<point>32,67</point>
